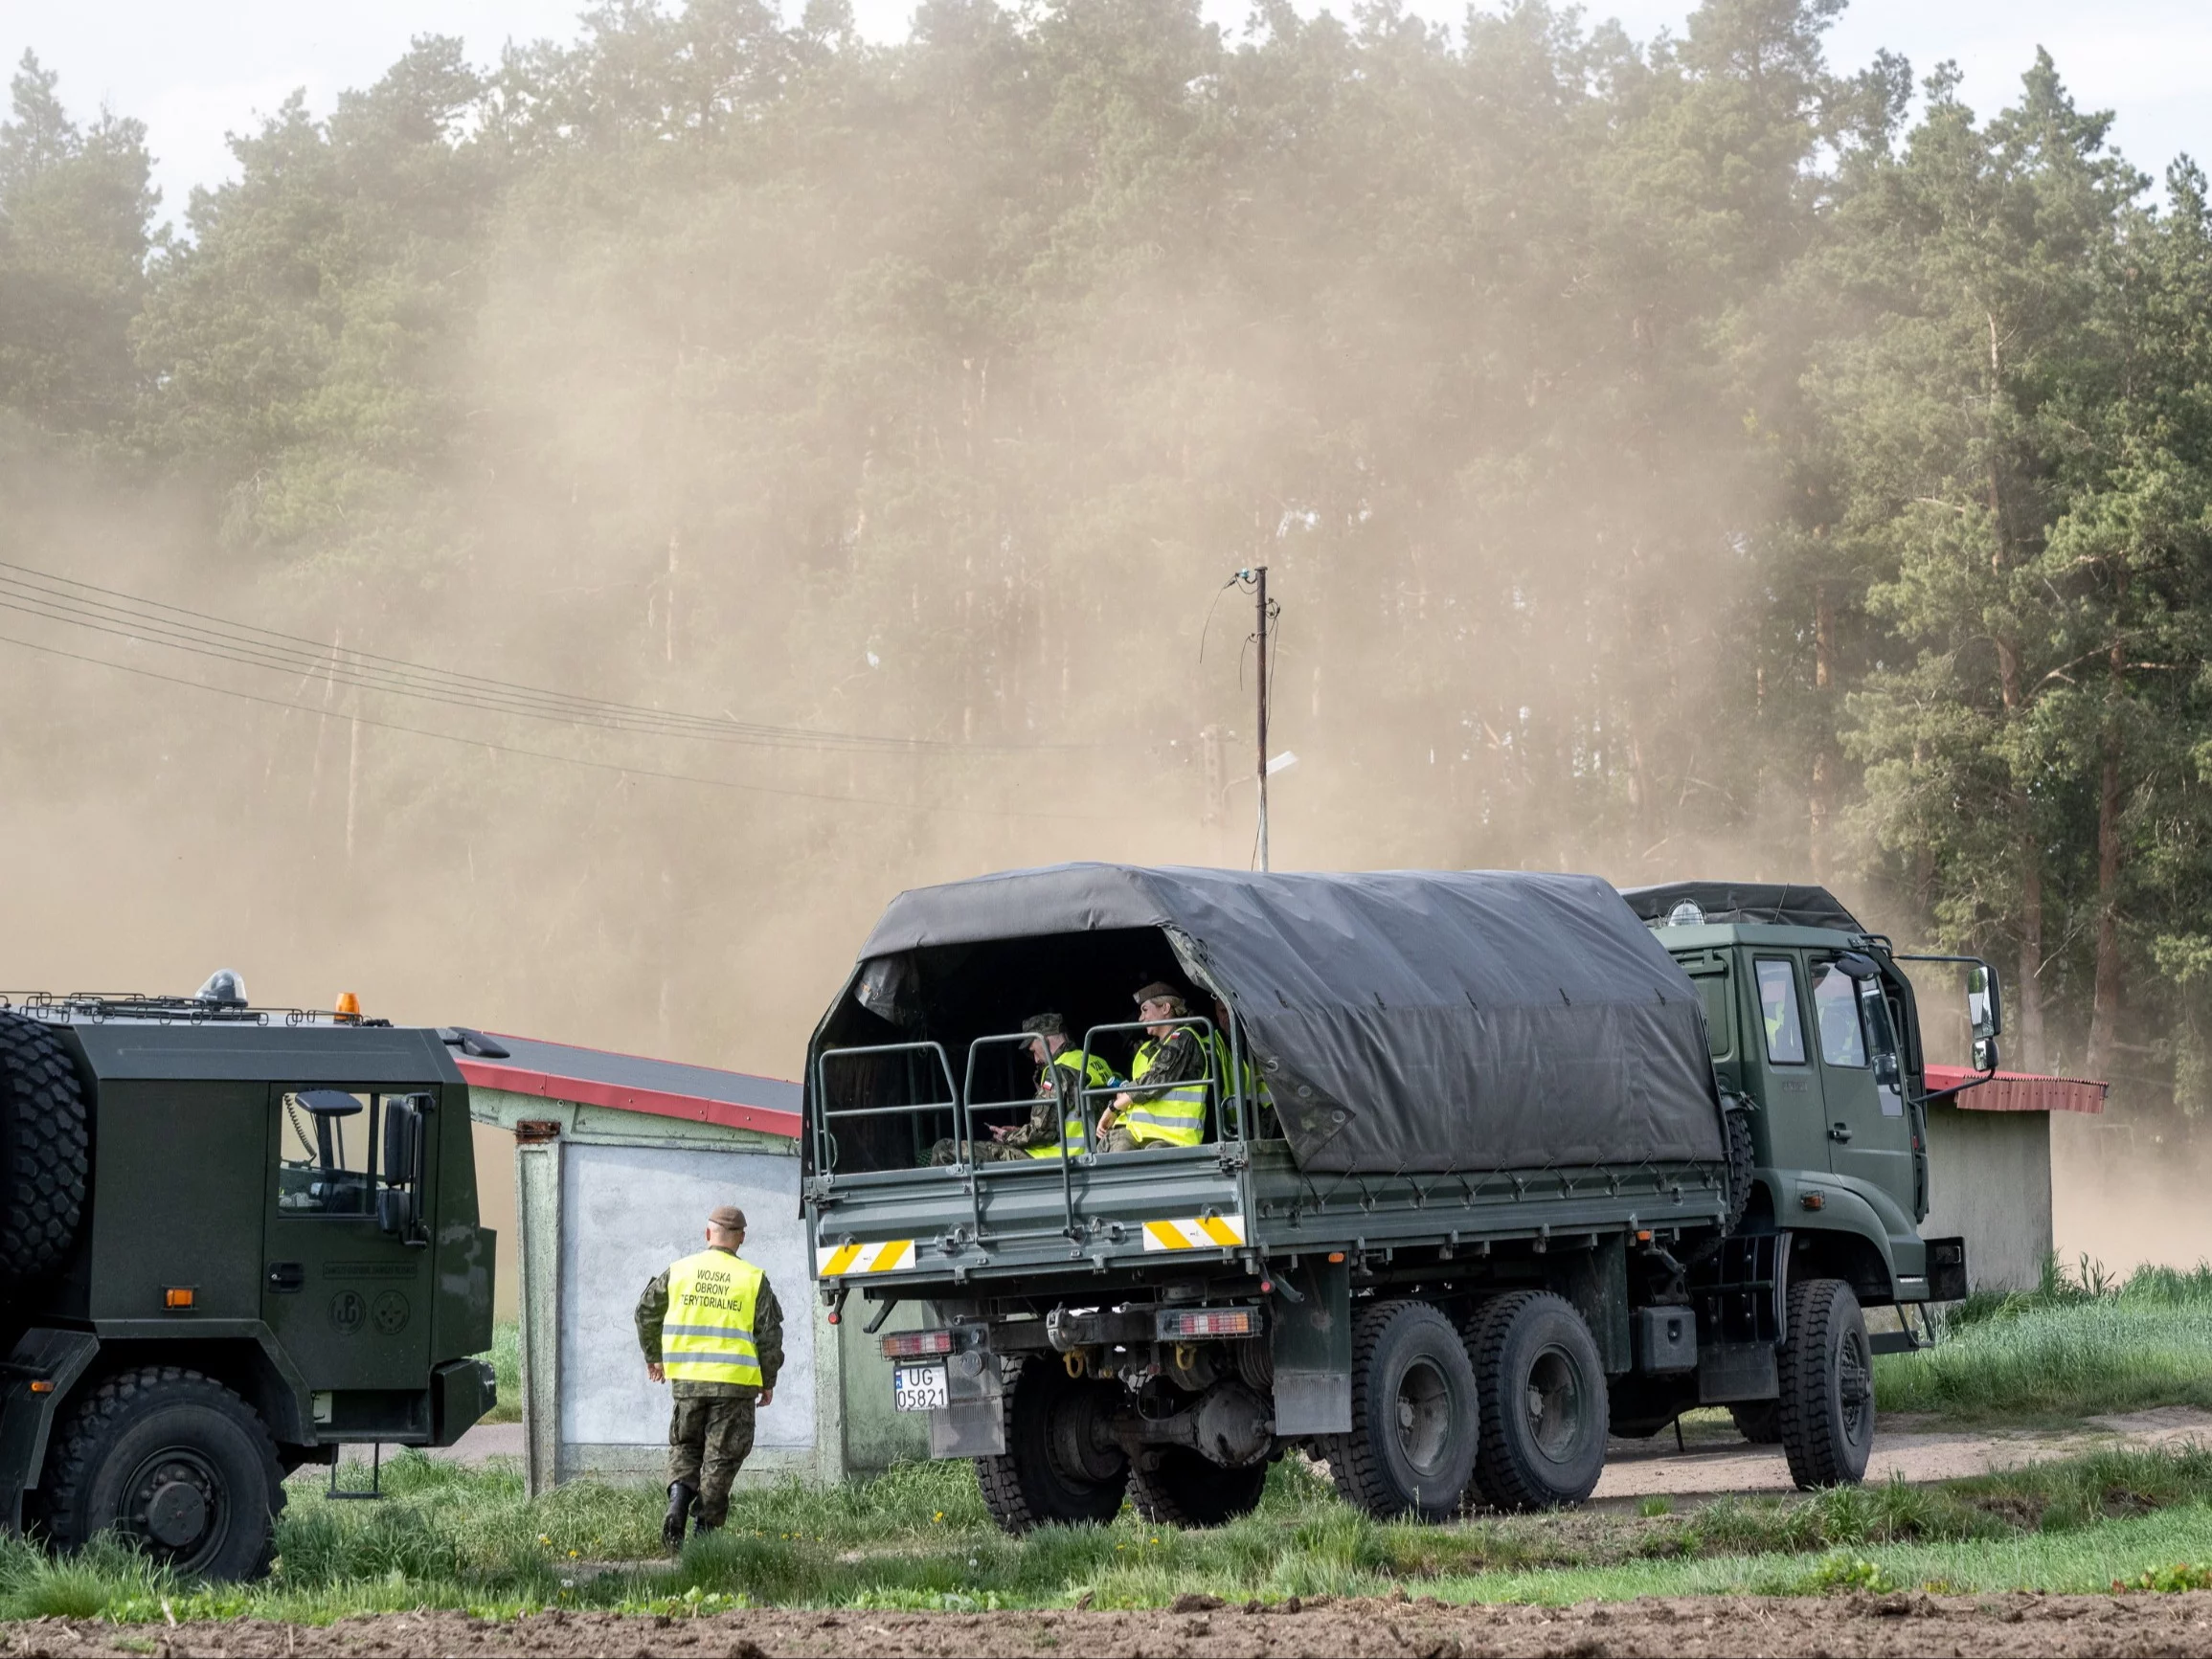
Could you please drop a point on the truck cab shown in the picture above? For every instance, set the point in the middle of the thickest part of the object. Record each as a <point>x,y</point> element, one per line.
<point>1812,1024</point>
<point>234,1240</point>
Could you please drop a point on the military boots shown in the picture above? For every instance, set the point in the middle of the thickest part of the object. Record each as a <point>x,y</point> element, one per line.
<point>680,1497</point>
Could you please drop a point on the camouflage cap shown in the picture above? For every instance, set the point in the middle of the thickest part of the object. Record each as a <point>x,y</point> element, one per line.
<point>729,1219</point>
<point>1044,1025</point>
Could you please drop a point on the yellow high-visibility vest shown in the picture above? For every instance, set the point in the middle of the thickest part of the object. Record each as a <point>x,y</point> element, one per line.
<point>1097,1074</point>
<point>1232,1075</point>
<point>707,1336</point>
<point>1176,1118</point>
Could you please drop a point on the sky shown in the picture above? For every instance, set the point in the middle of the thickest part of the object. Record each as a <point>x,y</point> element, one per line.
<point>195,70</point>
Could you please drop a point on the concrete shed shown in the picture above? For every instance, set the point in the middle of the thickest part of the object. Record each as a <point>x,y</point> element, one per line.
<point>617,1158</point>
<point>1989,1162</point>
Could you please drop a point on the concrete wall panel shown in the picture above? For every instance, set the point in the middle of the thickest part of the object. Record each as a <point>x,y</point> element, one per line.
<point>627,1212</point>
<point>1990,1183</point>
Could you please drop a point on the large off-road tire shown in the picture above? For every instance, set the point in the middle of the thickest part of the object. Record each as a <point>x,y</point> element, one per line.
<point>1827,1374</point>
<point>1054,1469</point>
<point>1758,1421</point>
<point>1415,1415</point>
<point>1736,1130</point>
<point>43,1149</point>
<point>1543,1385</point>
<point>1184,1489</point>
<point>178,1463</point>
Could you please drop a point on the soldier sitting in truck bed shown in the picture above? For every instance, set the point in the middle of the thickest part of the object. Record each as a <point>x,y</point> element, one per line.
<point>1062,1075</point>
<point>1172,1064</point>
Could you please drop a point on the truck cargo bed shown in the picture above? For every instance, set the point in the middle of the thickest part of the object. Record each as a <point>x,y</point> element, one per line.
<point>1163,1212</point>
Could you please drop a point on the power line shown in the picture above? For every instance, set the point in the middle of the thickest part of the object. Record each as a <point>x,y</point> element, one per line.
<point>568,760</point>
<point>120,614</point>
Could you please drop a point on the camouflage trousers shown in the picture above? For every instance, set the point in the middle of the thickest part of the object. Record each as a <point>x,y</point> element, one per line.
<point>709,1438</point>
<point>987,1151</point>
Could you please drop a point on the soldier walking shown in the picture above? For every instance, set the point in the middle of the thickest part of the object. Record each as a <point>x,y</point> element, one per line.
<point>712,1330</point>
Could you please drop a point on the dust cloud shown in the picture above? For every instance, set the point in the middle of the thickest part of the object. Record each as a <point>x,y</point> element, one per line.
<point>923,473</point>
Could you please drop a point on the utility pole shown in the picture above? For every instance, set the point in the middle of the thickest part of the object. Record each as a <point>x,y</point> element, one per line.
<point>1254,578</point>
<point>1259,583</point>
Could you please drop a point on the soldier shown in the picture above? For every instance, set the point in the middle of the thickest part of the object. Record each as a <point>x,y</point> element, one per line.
<point>712,1330</point>
<point>1062,1075</point>
<point>1170,1109</point>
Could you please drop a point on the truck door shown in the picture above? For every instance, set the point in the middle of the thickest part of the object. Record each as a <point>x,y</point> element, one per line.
<point>1785,1081</point>
<point>1862,1079</point>
<point>346,1283</point>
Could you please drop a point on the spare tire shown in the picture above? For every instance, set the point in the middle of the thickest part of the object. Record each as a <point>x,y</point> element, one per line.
<point>43,1149</point>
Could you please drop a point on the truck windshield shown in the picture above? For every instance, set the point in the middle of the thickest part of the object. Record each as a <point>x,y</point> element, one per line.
<point>1778,1007</point>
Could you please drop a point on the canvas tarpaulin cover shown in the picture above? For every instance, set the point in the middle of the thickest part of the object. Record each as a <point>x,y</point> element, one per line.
<point>1420,1021</point>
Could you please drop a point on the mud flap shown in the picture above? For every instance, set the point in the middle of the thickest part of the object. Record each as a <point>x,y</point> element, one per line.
<point>56,1359</point>
<point>975,1423</point>
<point>1312,1344</point>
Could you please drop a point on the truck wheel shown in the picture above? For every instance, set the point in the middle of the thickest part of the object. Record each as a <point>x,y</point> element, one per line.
<point>1544,1435</point>
<point>1059,1464</point>
<point>1758,1421</point>
<point>1827,1404</point>
<point>1415,1419</point>
<point>42,1149</point>
<point>178,1463</point>
<point>1184,1489</point>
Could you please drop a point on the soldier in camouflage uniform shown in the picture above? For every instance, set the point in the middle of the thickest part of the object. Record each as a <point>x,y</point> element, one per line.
<point>719,1353</point>
<point>1059,1087</point>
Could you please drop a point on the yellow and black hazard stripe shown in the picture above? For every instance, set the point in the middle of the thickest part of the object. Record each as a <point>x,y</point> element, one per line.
<point>884,1256</point>
<point>1195,1233</point>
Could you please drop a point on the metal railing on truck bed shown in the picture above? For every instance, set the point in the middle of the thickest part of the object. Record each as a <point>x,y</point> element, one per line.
<point>1077,1207</point>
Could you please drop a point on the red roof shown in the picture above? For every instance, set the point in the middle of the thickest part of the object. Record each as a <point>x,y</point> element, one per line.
<point>2019,1091</point>
<point>633,1083</point>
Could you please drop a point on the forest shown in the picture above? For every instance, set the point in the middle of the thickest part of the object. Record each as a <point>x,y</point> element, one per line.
<point>785,467</point>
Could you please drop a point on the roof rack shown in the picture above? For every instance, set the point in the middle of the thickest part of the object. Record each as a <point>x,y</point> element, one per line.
<point>102,1007</point>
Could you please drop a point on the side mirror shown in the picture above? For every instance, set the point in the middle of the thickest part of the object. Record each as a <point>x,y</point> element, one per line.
<point>399,1197</point>
<point>1985,1054</point>
<point>1984,1004</point>
<point>395,1210</point>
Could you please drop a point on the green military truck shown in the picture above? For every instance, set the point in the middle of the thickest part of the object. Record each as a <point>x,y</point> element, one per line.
<point>1497,1164</point>
<point>231,1240</point>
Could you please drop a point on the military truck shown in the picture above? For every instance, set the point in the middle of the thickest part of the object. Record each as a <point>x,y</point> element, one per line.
<point>1496,1163</point>
<point>232,1241</point>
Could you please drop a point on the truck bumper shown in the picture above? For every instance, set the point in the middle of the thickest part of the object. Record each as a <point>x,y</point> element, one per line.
<point>461,1392</point>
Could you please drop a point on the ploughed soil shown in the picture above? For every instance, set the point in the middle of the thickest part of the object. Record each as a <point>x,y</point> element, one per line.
<point>2024,1625</point>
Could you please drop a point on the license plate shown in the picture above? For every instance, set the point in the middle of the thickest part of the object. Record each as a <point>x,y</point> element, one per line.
<point>919,1388</point>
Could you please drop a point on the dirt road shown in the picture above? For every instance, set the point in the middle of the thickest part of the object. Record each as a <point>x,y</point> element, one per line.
<point>2016,1626</point>
<point>1718,1461</point>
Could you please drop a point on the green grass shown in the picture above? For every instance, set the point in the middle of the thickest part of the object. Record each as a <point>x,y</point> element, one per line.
<point>919,1538</point>
<point>506,1358</point>
<point>2081,1344</point>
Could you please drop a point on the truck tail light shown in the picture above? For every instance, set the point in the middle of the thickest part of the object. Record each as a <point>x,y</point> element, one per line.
<point>1183,1325</point>
<point>178,1296</point>
<point>917,1344</point>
